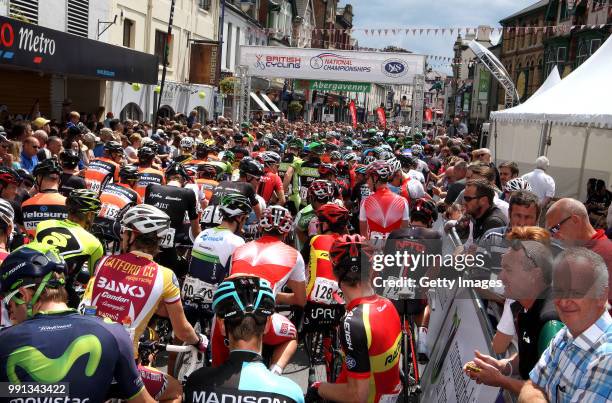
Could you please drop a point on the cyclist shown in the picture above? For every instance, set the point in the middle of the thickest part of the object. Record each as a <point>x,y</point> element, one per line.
<point>383,211</point>
<point>115,199</point>
<point>213,248</point>
<point>9,184</point>
<point>146,172</point>
<point>244,306</point>
<point>271,184</point>
<point>33,284</point>
<point>47,203</point>
<point>319,193</point>
<point>280,264</point>
<point>180,204</point>
<point>104,169</point>
<point>129,288</point>
<point>370,335</point>
<point>7,218</point>
<point>289,166</point>
<point>207,175</point>
<point>411,189</point>
<point>309,170</point>
<point>69,180</point>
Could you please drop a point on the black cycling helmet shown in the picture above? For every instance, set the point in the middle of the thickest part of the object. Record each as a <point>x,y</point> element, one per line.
<point>202,150</point>
<point>146,154</point>
<point>239,296</point>
<point>47,167</point>
<point>424,210</point>
<point>69,158</point>
<point>83,201</point>
<point>26,178</point>
<point>29,266</point>
<point>112,147</point>
<point>128,173</point>
<point>249,166</point>
<point>235,205</point>
<point>176,168</point>
<point>208,171</point>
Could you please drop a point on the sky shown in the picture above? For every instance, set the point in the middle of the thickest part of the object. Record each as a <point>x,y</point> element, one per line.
<point>427,14</point>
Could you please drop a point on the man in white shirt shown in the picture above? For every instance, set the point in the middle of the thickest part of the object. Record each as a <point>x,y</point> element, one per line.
<point>542,184</point>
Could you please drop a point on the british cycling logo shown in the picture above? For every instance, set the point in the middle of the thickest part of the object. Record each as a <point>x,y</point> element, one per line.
<point>394,68</point>
<point>350,362</point>
<point>336,62</point>
<point>280,62</point>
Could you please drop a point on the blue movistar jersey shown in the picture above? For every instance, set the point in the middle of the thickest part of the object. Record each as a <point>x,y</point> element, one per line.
<point>83,351</point>
<point>242,378</point>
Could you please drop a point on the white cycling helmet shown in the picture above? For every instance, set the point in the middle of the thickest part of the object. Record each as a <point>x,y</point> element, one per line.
<point>187,142</point>
<point>146,219</point>
<point>276,217</point>
<point>516,184</point>
<point>395,164</point>
<point>7,214</point>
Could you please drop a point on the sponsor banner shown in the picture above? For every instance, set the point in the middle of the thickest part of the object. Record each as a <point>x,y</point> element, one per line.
<point>340,86</point>
<point>321,64</point>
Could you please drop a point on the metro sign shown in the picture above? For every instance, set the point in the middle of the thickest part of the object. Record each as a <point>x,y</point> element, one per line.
<point>28,41</point>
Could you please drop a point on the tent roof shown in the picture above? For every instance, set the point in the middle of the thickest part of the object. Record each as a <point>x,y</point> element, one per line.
<point>581,98</point>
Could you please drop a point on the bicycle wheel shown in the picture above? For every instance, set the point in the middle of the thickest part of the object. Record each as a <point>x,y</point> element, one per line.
<point>183,361</point>
<point>336,361</point>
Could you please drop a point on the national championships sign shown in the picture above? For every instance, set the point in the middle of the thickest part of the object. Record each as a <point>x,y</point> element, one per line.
<point>324,64</point>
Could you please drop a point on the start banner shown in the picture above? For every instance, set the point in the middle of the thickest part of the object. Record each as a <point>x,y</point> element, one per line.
<point>340,65</point>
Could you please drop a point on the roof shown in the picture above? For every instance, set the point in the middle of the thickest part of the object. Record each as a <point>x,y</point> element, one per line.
<point>526,10</point>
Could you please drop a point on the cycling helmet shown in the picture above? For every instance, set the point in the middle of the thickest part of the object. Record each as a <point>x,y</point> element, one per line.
<point>69,158</point>
<point>335,155</point>
<point>380,170</point>
<point>321,191</point>
<point>343,167</point>
<point>276,217</point>
<point>361,169</point>
<point>7,214</point>
<point>146,154</point>
<point>187,142</point>
<point>207,171</point>
<point>31,265</point>
<point>368,159</point>
<point>269,158</point>
<point>229,156</point>
<point>385,155</point>
<point>9,176</point>
<point>235,205</point>
<point>328,169</point>
<point>517,184</point>
<point>146,219</point>
<point>202,149</point>
<point>424,210</point>
<point>417,149</point>
<point>249,166</point>
<point>112,147</point>
<point>128,173</point>
<point>26,178</point>
<point>148,142</point>
<point>395,164</point>
<point>351,157</point>
<point>83,201</point>
<point>239,296</point>
<point>348,253</point>
<point>333,214</point>
<point>296,143</point>
<point>316,147</point>
<point>47,167</point>
<point>176,168</point>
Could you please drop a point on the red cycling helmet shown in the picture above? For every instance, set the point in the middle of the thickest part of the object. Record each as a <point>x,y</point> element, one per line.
<point>333,214</point>
<point>343,167</point>
<point>327,169</point>
<point>424,210</point>
<point>321,191</point>
<point>347,255</point>
<point>380,170</point>
<point>8,176</point>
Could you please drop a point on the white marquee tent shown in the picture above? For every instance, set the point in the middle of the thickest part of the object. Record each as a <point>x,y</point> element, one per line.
<point>570,122</point>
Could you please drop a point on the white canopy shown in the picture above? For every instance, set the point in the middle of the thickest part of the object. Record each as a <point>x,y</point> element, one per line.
<point>582,98</point>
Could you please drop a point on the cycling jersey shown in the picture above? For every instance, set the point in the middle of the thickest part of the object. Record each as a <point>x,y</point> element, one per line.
<point>250,228</point>
<point>4,315</point>
<point>83,351</point>
<point>210,255</point>
<point>70,182</point>
<point>207,186</point>
<point>411,189</point>
<point>116,199</point>
<point>99,172</point>
<point>269,184</point>
<point>147,176</point>
<point>321,283</point>
<point>304,217</point>
<point>384,211</point>
<point>293,190</point>
<point>307,173</point>
<point>181,205</point>
<point>371,341</point>
<point>46,205</point>
<point>225,187</point>
<point>242,378</point>
<point>128,289</point>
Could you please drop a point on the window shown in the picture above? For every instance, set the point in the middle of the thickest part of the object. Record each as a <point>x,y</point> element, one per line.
<point>128,33</point>
<point>228,47</point>
<point>24,10</point>
<point>285,19</point>
<point>597,4</point>
<point>132,112</point>
<point>561,54</point>
<point>77,22</point>
<point>595,44</point>
<point>582,53</point>
<point>204,5</point>
<point>160,46</point>
<point>237,59</point>
<point>565,11</point>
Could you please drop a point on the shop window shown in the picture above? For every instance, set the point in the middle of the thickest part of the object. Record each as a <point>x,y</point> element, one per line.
<point>128,33</point>
<point>204,5</point>
<point>132,112</point>
<point>77,22</point>
<point>24,10</point>
<point>160,46</point>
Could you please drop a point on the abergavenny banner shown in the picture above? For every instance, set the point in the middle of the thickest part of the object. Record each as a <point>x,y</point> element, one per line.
<point>339,65</point>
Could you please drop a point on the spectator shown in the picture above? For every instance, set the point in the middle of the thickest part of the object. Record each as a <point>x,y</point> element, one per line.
<point>54,145</point>
<point>478,201</point>
<point>542,184</point>
<point>459,173</point>
<point>8,154</point>
<point>28,158</point>
<point>597,204</point>
<point>109,117</point>
<point>43,152</point>
<point>74,118</point>
<point>507,170</point>
<point>576,365</point>
<point>480,170</point>
<point>41,124</point>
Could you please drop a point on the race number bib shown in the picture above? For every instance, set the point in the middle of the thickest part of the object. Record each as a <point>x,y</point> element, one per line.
<point>94,185</point>
<point>323,291</point>
<point>168,239</point>
<point>109,211</point>
<point>396,291</point>
<point>211,215</point>
<point>194,286</point>
<point>378,235</point>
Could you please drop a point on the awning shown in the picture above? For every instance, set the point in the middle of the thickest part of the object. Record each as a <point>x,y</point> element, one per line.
<point>259,102</point>
<point>269,101</point>
<point>32,47</point>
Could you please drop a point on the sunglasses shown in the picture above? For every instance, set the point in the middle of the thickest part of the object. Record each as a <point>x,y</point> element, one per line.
<point>556,228</point>
<point>517,245</point>
<point>470,198</point>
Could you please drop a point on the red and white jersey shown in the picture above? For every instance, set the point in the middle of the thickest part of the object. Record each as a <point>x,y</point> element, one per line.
<point>384,212</point>
<point>270,259</point>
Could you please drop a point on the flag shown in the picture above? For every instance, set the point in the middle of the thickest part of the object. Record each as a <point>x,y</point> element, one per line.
<point>353,112</point>
<point>382,117</point>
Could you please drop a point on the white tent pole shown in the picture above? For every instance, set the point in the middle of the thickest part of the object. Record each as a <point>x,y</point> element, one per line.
<point>543,132</point>
<point>495,135</point>
<point>583,163</point>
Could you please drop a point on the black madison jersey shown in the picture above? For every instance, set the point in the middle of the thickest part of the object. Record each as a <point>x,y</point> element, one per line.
<point>242,378</point>
<point>226,187</point>
<point>180,204</point>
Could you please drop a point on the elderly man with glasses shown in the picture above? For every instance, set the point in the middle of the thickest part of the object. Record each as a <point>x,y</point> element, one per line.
<point>28,155</point>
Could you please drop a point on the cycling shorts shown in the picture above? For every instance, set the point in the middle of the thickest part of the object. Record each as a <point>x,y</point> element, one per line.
<point>281,330</point>
<point>154,381</point>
